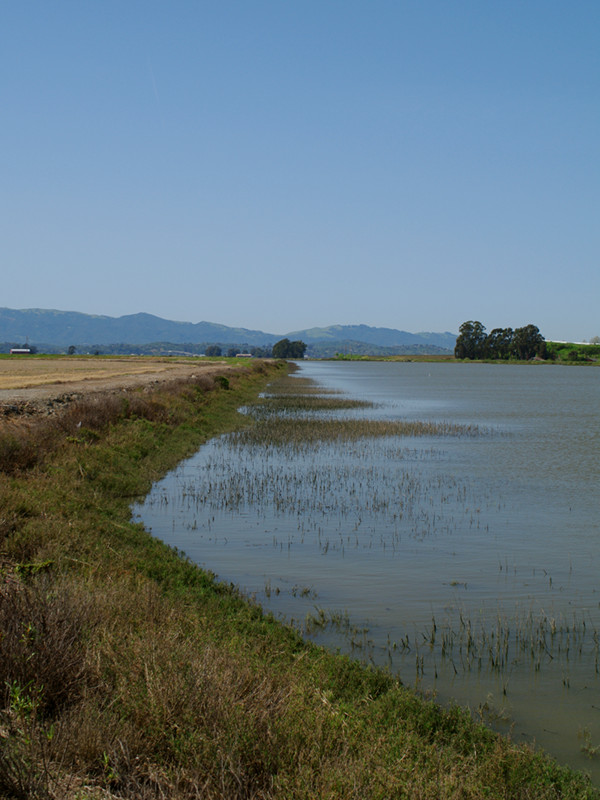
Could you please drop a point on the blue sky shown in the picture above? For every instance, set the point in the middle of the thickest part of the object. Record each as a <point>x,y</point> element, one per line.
<point>295,163</point>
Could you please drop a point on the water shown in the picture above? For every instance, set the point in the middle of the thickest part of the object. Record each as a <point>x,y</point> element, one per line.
<point>467,564</point>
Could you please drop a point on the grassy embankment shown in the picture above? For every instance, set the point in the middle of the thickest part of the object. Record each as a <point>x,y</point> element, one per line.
<point>558,353</point>
<point>570,353</point>
<point>126,671</point>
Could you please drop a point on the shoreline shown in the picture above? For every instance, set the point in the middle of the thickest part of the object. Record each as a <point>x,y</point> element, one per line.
<point>180,682</point>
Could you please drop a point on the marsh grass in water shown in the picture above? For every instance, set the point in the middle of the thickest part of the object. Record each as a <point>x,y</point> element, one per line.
<point>306,403</point>
<point>302,421</point>
<point>314,474</point>
<point>126,671</point>
<point>491,643</point>
<point>289,465</point>
<point>305,432</point>
<point>294,385</point>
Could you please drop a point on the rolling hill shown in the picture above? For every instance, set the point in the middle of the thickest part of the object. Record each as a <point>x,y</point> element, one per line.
<point>46,328</point>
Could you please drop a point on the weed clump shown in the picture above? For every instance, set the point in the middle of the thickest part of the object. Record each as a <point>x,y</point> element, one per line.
<point>42,647</point>
<point>19,447</point>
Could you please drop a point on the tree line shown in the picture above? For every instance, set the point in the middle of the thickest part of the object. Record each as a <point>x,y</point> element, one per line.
<point>501,343</point>
<point>281,349</point>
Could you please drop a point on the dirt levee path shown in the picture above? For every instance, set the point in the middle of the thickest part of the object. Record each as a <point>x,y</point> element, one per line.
<point>29,385</point>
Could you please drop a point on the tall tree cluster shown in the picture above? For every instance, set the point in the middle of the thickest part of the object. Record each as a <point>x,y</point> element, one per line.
<point>286,349</point>
<point>500,343</point>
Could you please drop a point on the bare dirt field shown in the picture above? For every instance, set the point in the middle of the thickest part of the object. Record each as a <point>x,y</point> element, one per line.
<point>29,385</point>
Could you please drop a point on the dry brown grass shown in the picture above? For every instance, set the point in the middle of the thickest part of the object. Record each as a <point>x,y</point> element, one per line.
<point>21,373</point>
<point>26,440</point>
<point>42,644</point>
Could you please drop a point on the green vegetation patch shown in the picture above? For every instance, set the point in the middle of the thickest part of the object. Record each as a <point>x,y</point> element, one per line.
<point>293,385</point>
<point>301,432</point>
<point>572,353</point>
<point>312,402</point>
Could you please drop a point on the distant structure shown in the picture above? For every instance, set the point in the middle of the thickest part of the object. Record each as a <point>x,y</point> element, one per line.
<point>243,355</point>
<point>20,350</point>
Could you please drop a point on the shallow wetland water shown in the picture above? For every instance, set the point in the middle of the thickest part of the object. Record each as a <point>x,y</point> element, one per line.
<point>437,519</point>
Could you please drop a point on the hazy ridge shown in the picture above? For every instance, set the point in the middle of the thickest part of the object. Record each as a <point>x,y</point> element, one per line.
<point>64,328</point>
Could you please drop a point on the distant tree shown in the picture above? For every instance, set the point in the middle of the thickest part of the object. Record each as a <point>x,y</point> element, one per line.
<point>261,352</point>
<point>298,349</point>
<point>280,348</point>
<point>71,349</point>
<point>528,342</point>
<point>471,340</point>
<point>286,349</point>
<point>232,352</point>
<point>498,343</point>
<point>213,350</point>
<point>501,343</point>
<point>595,340</point>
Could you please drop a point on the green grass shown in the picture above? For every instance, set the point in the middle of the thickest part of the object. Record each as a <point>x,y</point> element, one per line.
<point>559,352</point>
<point>572,353</point>
<point>127,671</point>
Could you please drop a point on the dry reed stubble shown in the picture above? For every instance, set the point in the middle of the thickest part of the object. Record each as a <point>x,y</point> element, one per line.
<point>43,642</point>
<point>27,442</point>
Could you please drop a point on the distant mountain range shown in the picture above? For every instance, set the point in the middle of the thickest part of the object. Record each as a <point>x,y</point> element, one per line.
<point>56,330</point>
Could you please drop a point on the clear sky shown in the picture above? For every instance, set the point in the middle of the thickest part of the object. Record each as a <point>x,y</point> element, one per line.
<point>282,164</point>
